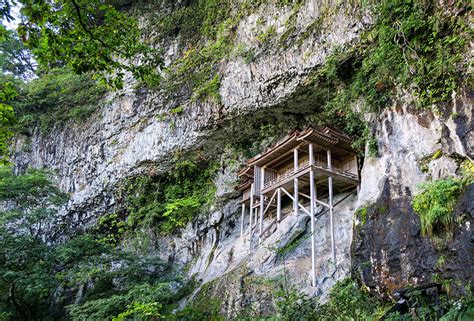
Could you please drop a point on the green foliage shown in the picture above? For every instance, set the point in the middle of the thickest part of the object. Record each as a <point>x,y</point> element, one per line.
<point>7,118</point>
<point>87,36</point>
<point>266,35</point>
<point>462,310</point>
<point>111,229</point>
<point>294,305</point>
<point>55,98</point>
<point>202,310</point>
<point>347,301</point>
<point>140,311</point>
<point>412,44</point>
<point>32,193</point>
<point>15,58</point>
<point>138,301</point>
<point>208,27</point>
<point>361,214</point>
<point>435,205</point>
<point>44,261</point>
<point>26,264</point>
<point>169,202</point>
<point>197,69</point>
<point>444,308</point>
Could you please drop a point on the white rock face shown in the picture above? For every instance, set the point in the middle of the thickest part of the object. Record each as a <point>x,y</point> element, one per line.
<point>407,138</point>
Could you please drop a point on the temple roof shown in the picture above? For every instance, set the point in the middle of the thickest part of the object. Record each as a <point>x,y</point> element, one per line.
<point>246,172</point>
<point>286,144</point>
<point>325,138</point>
<point>245,185</point>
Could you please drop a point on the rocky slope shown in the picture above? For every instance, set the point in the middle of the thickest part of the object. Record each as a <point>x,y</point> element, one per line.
<point>137,133</point>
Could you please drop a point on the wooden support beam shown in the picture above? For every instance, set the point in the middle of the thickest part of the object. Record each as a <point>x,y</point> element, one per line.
<point>255,218</point>
<point>287,193</point>
<point>270,202</point>
<point>315,200</point>
<point>331,211</point>
<point>312,213</point>
<point>242,221</point>
<point>305,195</point>
<point>251,208</point>
<point>304,209</point>
<point>322,203</point>
<point>262,200</point>
<point>295,181</point>
<point>278,207</point>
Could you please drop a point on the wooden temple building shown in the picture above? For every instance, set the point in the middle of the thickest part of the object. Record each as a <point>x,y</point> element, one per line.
<point>303,169</point>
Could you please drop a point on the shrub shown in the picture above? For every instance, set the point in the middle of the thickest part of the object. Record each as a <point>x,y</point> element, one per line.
<point>294,305</point>
<point>435,205</point>
<point>437,199</point>
<point>142,301</point>
<point>170,201</point>
<point>347,301</point>
<point>55,98</point>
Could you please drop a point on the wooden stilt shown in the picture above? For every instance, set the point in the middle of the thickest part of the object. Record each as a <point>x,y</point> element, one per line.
<point>242,220</point>
<point>278,207</point>
<point>312,211</point>
<point>295,182</point>
<point>262,200</point>
<point>251,209</point>
<point>271,168</point>
<point>255,218</point>
<point>331,212</point>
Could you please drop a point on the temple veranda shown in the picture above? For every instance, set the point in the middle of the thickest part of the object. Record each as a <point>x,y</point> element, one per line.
<point>304,168</point>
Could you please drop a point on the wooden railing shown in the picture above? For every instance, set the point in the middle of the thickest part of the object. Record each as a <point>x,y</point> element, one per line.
<point>303,166</point>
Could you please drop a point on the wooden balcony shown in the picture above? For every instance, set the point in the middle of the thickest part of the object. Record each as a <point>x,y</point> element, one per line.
<point>304,168</point>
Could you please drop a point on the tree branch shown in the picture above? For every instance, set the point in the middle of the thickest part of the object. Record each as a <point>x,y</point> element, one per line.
<point>90,33</point>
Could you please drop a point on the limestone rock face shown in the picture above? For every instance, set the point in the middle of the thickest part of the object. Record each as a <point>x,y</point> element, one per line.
<point>389,251</point>
<point>135,133</point>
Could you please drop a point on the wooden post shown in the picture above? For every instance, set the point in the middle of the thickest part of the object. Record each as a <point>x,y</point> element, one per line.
<point>331,212</point>
<point>242,221</point>
<point>262,201</point>
<point>251,209</point>
<point>255,217</point>
<point>295,182</point>
<point>312,211</point>
<point>278,207</point>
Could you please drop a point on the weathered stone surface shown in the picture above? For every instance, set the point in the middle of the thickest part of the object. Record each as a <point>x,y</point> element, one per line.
<point>389,251</point>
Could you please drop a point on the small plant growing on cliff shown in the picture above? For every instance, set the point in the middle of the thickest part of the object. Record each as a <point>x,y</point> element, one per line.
<point>170,201</point>
<point>436,202</point>
<point>435,205</point>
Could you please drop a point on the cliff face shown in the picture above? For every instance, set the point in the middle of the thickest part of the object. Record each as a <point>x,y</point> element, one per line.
<point>390,239</point>
<point>139,133</point>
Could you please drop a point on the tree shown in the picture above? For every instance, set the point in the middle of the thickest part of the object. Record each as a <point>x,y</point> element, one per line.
<point>26,234</point>
<point>47,264</point>
<point>88,35</point>
<point>85,35</point>
<point>7,118</point>
<point>15,58</point>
